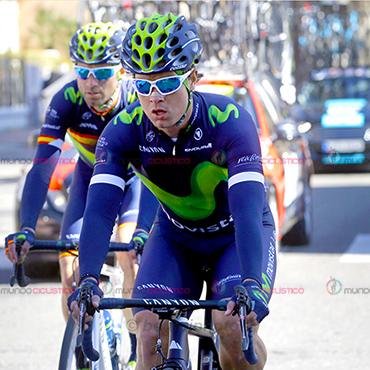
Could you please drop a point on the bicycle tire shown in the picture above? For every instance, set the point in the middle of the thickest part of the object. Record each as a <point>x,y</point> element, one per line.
<point>125,350</point>
<point>67,353</point>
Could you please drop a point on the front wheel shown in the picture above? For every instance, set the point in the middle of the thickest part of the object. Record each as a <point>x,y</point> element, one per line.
<point>67,360</point>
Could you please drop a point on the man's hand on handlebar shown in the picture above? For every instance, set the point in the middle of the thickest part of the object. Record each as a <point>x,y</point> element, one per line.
<point>84,301</point>
<point>26,237</point>
<point>136,244</point>
<point>259,309</point>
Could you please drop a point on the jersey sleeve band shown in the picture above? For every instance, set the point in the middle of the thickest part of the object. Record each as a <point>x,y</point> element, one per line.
<point>108,179</point>
<point>246,176</point>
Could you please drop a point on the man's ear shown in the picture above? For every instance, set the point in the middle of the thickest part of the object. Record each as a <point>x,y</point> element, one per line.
<point>193,78</point>
<point>121,74</point>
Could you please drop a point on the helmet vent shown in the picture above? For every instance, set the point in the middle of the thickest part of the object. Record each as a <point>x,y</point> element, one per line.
<point>111,42</point>
<point>89,54</point>
<point>136,54</point>
<point>92,41</point>
<point>137,40</point>
<point>195,47</point>
<point>97,30</point>
<point>100,50</point>
<point>159,53</point>
<point>152,27</point>
<point>142,25</point>
<point>146,60</point>
<point>148,43</point>
<point>175,52</point>
<point>162,38</point>
<point>161,64</point>
<point>132,31</point>
<point>175,28</point>
<point>166,23</point>
<point>173,42</point>
<point>190,34</point>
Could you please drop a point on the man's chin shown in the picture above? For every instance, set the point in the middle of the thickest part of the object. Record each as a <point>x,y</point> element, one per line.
<point>95,103</point>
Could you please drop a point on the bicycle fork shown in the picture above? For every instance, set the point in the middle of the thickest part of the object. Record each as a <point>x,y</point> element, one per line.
<point>178,352</point>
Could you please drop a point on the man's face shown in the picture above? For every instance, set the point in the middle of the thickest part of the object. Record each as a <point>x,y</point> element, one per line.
<point>96,92</point>
<point>165,110</point>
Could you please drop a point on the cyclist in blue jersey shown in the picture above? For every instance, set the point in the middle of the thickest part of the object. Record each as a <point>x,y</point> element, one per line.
<point>82,108</point>
<point>199,154</point>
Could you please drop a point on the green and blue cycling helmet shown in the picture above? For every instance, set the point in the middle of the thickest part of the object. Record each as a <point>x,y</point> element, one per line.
<point>97,43</point>
<point>160,43</point>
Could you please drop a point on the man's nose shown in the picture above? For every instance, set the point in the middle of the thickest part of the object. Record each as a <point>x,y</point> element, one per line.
<point>156,95</point>
<point>91,80</point>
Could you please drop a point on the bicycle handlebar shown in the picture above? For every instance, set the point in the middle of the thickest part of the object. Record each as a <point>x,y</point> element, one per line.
<point>183,304</point>
<point>65,245</point>
<point>154,303</point>
<point>18,274</point>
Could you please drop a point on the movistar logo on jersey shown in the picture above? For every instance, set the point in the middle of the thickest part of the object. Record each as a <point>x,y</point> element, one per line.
<point>221,116</point>
<point>201,202</point>
<point>72,95</point>
<point>128,117</point>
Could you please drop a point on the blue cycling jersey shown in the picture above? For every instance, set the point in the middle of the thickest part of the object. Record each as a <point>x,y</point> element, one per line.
<point>209,181</point>
<point>67,112</point>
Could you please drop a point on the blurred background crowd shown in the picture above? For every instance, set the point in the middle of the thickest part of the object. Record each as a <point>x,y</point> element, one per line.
<point>299,67</point>
<point>287,38</point>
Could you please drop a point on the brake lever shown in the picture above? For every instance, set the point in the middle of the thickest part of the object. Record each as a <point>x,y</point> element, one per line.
<point>81,323</point>
<point>14,273</point>
<point>139,251</point>
<point>244,305</point>
<point>85,304</point>
<point>18,269</point>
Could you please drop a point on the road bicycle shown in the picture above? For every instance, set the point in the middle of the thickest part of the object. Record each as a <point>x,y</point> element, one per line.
<point>113,355</point>
<point>177,312</point>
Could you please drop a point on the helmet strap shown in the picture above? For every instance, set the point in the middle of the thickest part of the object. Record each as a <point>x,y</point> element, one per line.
<point>181,120</point>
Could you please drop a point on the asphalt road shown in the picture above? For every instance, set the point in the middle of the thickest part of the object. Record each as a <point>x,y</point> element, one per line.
<point>319,312</point>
